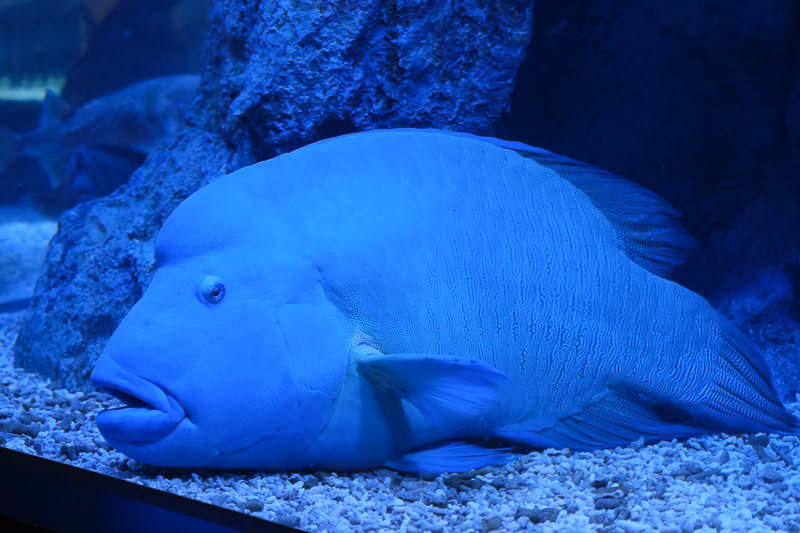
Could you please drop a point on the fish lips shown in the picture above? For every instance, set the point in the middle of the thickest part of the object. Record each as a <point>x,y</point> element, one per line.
<point>150,413</point>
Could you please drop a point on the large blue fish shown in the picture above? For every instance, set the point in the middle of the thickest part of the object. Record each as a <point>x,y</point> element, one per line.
<point>379,298</point>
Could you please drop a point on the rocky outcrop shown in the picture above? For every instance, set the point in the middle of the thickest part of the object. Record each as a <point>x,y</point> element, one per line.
<point>280,74</point>
<point>277,74</point>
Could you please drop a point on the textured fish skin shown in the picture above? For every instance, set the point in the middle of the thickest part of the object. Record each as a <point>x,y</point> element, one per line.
<point>412,242</point>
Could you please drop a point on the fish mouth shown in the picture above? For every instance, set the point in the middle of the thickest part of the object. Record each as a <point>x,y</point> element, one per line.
<point>149,413</point>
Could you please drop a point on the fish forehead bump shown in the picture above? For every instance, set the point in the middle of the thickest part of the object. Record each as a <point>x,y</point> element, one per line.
<point>265,204</point>
<point>308,197</point>
<point>230,210</point>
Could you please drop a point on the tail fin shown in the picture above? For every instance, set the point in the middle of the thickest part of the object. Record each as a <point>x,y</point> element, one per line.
<point>742,398</point>
<point>10,148</point>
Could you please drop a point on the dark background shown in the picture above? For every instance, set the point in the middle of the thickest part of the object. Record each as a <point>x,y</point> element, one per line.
<point>698,101</point>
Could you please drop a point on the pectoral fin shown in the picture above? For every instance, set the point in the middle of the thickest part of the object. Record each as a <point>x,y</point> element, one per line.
<point>439,386</point>
<point>449,456</point>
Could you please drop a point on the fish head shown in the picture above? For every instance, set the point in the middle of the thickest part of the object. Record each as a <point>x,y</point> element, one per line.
<point>233,357</point>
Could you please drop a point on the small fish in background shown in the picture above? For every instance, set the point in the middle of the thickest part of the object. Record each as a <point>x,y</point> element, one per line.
<point>379,299</point>
<point>137,118</point>
<point>93,172</point>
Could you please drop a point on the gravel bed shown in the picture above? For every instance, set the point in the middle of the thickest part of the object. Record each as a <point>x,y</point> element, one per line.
<point>743,483</point>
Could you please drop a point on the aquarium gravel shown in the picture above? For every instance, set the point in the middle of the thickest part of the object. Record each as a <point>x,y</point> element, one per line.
<point>743,483</point>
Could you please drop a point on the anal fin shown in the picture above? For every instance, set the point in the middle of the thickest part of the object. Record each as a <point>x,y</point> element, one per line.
<point>616,420</point>
<point>737,397</point>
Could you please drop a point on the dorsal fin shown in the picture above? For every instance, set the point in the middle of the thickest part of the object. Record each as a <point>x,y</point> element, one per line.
<point>647,226</point>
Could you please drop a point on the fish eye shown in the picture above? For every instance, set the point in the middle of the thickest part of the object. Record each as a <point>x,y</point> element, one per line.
<point>212,290</point>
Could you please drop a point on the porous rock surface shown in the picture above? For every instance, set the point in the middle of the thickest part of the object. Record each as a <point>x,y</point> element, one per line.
<point>282,73</point>
<point>277,74</point>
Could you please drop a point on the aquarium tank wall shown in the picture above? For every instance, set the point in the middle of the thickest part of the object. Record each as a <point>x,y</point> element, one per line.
<point>406,266</point>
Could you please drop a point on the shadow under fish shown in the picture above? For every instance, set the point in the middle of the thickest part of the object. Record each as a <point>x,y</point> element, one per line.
<point>379,299</point>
